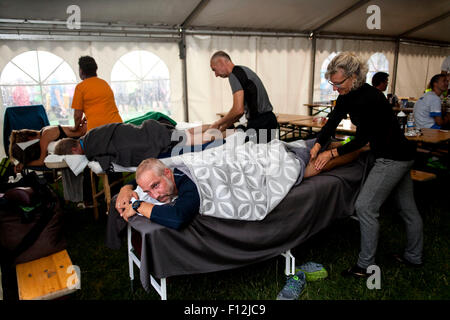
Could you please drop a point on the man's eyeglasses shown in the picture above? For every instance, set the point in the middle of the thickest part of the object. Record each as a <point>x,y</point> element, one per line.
<point>338,85</point>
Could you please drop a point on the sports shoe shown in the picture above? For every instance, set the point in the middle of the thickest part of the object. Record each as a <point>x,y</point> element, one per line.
<point>356,272</point>
<point>313,271</point>
<point>293,288</point>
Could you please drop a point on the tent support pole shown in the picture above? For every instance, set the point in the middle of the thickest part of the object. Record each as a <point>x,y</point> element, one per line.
<point>313,70</point>
<point>182,48</point>
<point>394,70</point>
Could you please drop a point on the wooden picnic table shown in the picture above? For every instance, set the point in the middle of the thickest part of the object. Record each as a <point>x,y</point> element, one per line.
<point>434,136</point>
<point>288,130</point>
<point>345,126</point>
<point>284,118</point>
<point>316,108</point>
<point>435,141</point>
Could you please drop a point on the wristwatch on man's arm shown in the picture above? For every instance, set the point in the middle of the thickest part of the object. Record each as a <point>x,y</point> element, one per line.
<point>136,204</point>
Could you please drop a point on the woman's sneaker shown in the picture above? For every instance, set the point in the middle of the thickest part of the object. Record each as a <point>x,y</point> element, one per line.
<point>313,271</point>
<point>294,287</point>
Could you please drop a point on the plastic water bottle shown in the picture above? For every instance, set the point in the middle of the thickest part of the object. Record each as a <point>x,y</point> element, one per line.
<point>410,125</point>
<point>401,117</point>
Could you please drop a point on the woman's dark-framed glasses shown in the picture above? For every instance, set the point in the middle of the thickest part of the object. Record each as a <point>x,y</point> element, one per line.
<point>338,85</point>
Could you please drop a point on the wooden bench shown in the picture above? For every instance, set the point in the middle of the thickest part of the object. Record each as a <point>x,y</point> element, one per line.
<point>47,278</point>
<point>417,175</point>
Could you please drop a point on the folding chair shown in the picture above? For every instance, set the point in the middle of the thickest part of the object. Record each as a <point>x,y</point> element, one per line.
<point>23,117</point>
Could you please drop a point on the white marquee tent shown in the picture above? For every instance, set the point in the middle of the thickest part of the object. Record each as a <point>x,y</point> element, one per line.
<point>286,42</point>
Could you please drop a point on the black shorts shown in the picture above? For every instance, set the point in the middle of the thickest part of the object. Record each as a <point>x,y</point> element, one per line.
<point>266,126</point>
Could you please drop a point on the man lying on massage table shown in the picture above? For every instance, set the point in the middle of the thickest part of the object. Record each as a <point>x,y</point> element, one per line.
<point>127,144</point>
<point>176,193</point>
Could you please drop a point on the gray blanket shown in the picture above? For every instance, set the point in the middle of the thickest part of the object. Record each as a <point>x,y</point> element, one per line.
<point>127,144</point>
<point>210,244</point>
<point>244,182</point>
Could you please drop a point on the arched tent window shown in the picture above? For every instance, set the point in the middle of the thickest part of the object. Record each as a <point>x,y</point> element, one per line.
<point>326,90</point>
<point>141,83</point>
<point>40,77</point>
<point>376,63</point>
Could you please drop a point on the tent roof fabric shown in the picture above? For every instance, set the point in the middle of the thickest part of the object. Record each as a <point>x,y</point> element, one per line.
<point>400,19</point>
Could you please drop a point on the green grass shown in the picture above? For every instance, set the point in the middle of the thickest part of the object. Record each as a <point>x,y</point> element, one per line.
<point>104,272</point>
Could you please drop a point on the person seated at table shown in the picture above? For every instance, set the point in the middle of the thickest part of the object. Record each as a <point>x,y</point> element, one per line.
<point>380,80</point>
<point>428,109</point>
<point>35,154</point>
<point>127,145</point>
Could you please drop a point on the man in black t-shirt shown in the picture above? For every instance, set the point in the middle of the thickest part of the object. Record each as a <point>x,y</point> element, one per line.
<point>249,98</point>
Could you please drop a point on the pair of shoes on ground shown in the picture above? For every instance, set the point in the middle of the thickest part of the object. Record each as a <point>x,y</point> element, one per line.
<point>358,272</point>
<point>295,284</point>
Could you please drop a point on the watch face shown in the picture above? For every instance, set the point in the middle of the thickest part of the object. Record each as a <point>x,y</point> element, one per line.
<point>136,205</point>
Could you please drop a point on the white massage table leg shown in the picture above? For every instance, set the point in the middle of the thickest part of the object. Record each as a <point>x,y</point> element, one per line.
<point>161,289</point>
<point>131,257</point>
<point>290,263</point>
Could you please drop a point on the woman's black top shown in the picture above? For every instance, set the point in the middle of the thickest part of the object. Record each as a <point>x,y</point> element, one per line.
<point>375,122</point>
<point>62,134</point>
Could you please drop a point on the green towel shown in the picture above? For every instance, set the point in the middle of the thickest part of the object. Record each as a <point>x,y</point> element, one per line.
<point>155,115</point>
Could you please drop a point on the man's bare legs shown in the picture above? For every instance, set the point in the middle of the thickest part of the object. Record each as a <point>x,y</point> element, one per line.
<point>202,134</point>
<point>338,161</point>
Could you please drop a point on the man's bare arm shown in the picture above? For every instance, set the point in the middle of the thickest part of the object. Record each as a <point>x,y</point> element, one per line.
<point>236,111</point>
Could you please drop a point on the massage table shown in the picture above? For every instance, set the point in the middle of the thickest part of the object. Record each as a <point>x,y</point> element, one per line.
<point>210,244</point>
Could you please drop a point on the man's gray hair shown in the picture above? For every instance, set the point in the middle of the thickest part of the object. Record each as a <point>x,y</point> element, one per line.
<point>220,54</point>
<point>156,165</point>
<point>350,64</point>
<point>64,146</point>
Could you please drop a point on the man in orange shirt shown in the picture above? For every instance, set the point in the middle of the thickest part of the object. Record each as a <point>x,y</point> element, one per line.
<point>93,97</point>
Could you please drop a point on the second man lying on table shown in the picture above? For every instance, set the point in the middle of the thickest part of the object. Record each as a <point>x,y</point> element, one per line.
<point>127,144</point>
